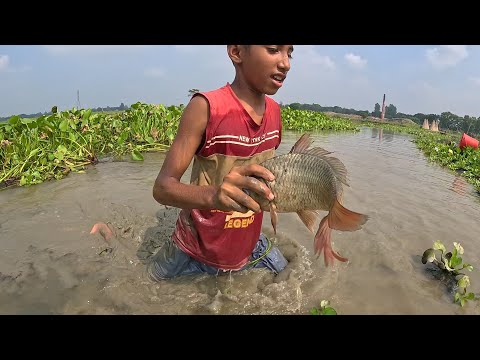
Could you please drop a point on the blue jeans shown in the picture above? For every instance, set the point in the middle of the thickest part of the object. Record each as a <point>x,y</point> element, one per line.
<point>170,261</point>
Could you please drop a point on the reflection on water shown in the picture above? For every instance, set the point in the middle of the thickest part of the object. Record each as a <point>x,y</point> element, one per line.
<point>49,263</point>
<point>460,185</point>
<point>382,135</point>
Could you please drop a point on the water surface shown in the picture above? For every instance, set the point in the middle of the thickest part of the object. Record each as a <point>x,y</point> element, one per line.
<point>50,264</point>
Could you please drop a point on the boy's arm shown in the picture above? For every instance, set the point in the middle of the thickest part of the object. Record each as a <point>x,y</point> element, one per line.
<point>168,189</point>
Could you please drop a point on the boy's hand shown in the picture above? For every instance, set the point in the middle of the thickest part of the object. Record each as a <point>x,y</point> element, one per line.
<point>230,195</point>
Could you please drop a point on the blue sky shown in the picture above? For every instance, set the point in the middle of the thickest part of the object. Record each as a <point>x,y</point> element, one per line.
<point>415,78</point>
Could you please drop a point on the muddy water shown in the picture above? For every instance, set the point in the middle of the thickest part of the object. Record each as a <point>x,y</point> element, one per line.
<point>50,264</point>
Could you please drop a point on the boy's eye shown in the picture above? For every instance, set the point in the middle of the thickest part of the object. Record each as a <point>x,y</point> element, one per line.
<point>274,50</point>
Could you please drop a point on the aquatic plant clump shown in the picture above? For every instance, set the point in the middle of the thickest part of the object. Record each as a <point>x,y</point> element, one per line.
<point>452,263</point>
<point>50,147</point>
<point>306,120</point>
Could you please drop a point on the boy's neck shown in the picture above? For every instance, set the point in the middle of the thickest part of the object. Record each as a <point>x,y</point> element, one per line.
<point>248,97</point>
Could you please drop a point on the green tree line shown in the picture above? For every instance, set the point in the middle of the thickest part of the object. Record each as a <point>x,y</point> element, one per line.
<point>447,120</point>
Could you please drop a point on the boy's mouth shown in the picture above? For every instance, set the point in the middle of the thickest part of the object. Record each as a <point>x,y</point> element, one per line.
<point>279,78</point>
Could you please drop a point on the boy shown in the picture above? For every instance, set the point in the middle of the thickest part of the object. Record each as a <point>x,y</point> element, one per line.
<point>228,132</point>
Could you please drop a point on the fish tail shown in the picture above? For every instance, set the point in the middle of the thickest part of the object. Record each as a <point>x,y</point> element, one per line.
<point>103,229</point>
<point>323,242</point>
<point>340,218</point>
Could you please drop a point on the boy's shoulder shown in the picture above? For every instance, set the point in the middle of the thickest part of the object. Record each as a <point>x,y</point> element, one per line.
<point>225,89</point>
<point>225,93</point>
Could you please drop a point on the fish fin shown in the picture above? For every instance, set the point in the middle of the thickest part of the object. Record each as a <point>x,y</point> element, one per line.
<point>302,144</point>
<point>338,168</point>
<point>340,218</point>
<point>273,217</point>
<point>104,230</point>
<point>323,242</point>
<point>317,151</point>
<point>308,217</point>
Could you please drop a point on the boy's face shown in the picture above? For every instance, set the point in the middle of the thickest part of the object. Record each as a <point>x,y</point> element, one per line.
<point>265,67</point>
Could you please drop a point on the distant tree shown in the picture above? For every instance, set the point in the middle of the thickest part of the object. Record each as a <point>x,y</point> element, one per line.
<point>363,114</point>
<point>122,106</point>
<point>376,112</point>
<point>191,92</point>
<point>451,121</point>
<point>390,111</point>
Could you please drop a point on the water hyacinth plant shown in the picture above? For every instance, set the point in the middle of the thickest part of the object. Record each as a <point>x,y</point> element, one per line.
<point>452,263</point>
<point>49,147</point>
<point>306,120</point>
<point>324,309</point>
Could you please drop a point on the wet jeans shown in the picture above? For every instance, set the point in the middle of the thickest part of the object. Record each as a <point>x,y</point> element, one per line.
<point>170,261</point>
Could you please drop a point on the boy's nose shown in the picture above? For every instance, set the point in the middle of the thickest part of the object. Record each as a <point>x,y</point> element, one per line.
<point>284,64</point>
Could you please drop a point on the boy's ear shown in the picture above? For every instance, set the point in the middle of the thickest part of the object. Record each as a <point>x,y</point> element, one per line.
<point>234,52</point>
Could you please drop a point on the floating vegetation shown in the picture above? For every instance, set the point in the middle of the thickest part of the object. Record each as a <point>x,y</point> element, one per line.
<point>324,309</point>
<point>50,147</point>
<point>451,263</point>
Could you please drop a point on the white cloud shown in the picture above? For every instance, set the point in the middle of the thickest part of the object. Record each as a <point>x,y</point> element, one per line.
<point>446,55</point>
<point>355,61</point>
<point>75,49</point>
<point>6,67</point>
<point>3,62</point>
<point>475,80</point>
<point>154,72</point>
<point>308,54</point>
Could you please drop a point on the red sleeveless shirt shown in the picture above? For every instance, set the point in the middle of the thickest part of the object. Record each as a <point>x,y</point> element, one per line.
<point>226,239</point>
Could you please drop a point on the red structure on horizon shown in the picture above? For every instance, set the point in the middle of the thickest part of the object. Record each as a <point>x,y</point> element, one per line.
<point>383,108</point>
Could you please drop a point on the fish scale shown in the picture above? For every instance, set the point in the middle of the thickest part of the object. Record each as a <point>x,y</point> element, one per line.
<point>302,181</point>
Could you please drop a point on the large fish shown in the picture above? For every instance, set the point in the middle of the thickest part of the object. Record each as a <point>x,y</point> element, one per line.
<point>308,180</point>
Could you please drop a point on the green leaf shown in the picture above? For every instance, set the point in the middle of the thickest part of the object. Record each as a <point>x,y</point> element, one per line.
<point>428,256</point>
<point>26,121</point>
<point>136,155</point>
<point>87,114</point>
<point>464,281</point>
<point>454,261</point>
<point>14,120</point>
<point>458,247</point>
<point>33,152</point>
<point>437,245</point>
<point>470,296</point>
<point>329,311</point>
<point>314,311</point>
<point>63,125</point>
